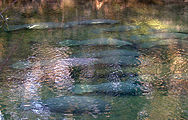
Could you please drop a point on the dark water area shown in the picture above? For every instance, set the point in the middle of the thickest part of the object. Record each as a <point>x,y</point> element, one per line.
<point>85,60</point>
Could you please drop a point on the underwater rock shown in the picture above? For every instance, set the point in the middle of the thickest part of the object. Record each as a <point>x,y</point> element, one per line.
<point>116,52</point>
<point>95,42</point>
<point>114,88</point>
<point>53,25</point>
<point>76,105</point>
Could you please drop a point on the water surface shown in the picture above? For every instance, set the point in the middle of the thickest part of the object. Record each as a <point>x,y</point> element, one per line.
<point>147,43</point>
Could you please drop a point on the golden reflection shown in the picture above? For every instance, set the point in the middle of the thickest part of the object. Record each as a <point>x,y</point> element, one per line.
<point>178,67</point>
<point>99,4</point>
<point>67,3</point>
<point>131,3</point>
<point>175,81</point>
<point>168,68</point>
<point>164,108</point>
<point>150,23</point>
<point>156,24</point>
<point>40,9</point>
<point>149,64</point>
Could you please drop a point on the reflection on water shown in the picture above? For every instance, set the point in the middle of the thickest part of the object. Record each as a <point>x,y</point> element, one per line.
<point>143,48</point>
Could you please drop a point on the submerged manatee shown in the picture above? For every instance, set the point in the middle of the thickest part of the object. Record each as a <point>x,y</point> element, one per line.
<point>53,25</point>
<point>164,42</point>
<point>120,60</point>
<point>76,105</point>
<point>95,42</point>
<point>115,88</point>
<point>168,35</point>
<point>156,37</point>
<point>117,52</point>
<point>22,65</point>
<point>45,25</point>
<point>71,62</point>
<point>91,22</point>
<point>122,28</point>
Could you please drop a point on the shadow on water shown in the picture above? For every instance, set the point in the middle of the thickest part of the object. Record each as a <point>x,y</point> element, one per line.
<point>108,59</point>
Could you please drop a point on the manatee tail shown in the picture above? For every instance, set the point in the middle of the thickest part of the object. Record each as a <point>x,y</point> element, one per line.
<point>80,89</point>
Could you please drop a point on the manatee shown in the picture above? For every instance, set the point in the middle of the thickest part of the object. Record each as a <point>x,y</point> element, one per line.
<point>164,42</point>
<point>95,42</point>
<point>113,88</point>
<point>137,38</point>
<point>72,62</point>
<point>155,43</point>
<point>91,22</point>
<point>45,25</point>
<point>67,105</point>
<point>68,62</point>
<point>157,36</point>
<point>70,43</point>
<point>22,65</point>
<point>166,35</point>
<point>76,105</point>
<point>121,60</point>
<point>53,25</point>
<point>16,27</point>
<point>122,28</point>
<point>116,52</point>
<point>80,61</point>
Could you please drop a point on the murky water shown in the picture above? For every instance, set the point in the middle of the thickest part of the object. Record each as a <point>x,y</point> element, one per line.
<point>85,60</point>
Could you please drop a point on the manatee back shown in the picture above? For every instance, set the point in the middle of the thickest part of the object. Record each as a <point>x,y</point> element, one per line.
<point>126,88</point>
<point>80,89</point>
<point>76,104</point>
